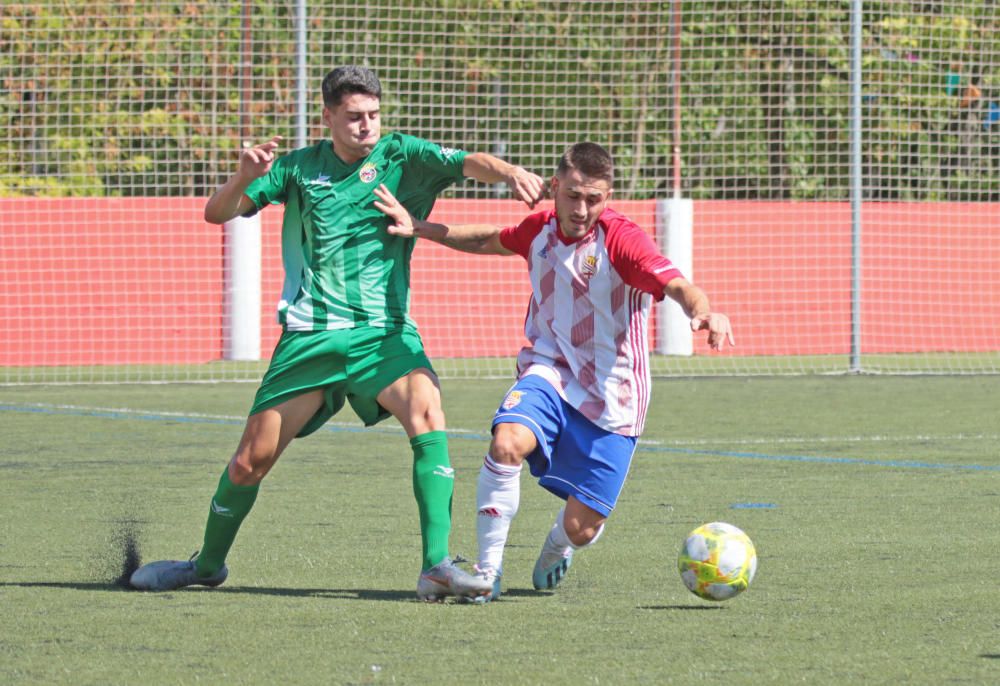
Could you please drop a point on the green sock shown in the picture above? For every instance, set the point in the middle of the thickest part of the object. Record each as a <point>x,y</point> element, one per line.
<point>433,484</point>
<point>230,506</point>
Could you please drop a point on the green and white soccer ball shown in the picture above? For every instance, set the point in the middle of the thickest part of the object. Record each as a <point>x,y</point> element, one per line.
<point>718,561</point>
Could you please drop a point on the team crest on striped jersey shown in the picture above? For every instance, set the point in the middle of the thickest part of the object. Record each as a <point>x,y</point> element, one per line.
<point>588,266</point>
<point>512,400</point>
<point>368,172</point>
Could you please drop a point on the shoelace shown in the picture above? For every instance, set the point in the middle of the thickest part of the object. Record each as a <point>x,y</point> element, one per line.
<point>488,574</point>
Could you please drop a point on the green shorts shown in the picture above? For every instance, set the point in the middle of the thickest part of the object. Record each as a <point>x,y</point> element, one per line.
<point>352,364</point>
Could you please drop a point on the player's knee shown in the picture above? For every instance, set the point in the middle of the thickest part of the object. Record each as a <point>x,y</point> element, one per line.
<point>508,447</point>
<point>241,472</point>
<point>416,403</point>
<point>426,417</point>
<point>434,417</point>
<point>248,468</point>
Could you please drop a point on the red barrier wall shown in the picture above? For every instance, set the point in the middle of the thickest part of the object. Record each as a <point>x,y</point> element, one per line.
<point>139,281</point>
<point>782,271</point>
<point>108,281</point>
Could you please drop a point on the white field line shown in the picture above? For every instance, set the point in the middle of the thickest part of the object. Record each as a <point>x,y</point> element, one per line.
<point>823,440</point>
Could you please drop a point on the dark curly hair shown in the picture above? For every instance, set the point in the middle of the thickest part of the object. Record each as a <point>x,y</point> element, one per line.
<point>347,81</point>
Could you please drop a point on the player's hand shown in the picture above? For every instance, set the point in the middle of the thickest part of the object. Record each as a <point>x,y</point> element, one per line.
<point>527,187</point>
<point>403,225</point>
<point>256,161</point>
<point>718,327</point>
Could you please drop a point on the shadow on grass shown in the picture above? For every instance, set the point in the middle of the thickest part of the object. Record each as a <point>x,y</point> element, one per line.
<point>680,607</point>
<point>337,593</point>
<point>334,593</point>
<point>525,593</point>
<point>990,656</point>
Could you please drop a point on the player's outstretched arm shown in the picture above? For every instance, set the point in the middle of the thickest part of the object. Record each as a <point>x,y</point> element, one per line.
<point>526,186</point>
<point>696,306</point>
<point>229,201</point>
<point>481,239</point>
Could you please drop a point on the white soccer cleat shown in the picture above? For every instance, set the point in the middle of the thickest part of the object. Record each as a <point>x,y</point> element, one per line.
<point>490,576</point>
<point>448,579</point>
<point>169,575</point>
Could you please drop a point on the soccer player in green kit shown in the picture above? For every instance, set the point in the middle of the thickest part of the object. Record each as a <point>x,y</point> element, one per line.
<point>346,331</point>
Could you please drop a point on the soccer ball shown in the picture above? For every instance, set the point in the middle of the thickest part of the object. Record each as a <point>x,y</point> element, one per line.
<point>717,561</point>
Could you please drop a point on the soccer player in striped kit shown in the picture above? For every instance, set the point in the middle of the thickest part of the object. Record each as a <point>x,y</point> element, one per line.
<point>346,331</point>
<point>583,388</point>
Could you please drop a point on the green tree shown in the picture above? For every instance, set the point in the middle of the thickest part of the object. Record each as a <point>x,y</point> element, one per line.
<point>154,98</point>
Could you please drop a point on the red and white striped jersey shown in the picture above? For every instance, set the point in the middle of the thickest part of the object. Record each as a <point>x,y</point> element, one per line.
<point>587,320</point>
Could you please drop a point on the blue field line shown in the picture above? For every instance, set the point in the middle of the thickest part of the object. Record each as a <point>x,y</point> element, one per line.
<point>484,437</point>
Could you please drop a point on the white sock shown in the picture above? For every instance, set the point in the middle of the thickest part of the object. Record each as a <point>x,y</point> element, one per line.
<point>498,496</point>
<point>557,544</point>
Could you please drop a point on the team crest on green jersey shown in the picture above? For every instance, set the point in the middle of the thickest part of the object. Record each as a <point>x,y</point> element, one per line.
<point>368,172</point>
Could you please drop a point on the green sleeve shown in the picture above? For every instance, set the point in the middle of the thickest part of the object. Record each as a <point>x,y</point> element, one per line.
<point>272,187</point>
<point>440,163</point>
<point>429,169</point>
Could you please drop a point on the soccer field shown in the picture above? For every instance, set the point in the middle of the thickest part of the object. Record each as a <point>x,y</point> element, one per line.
<point>872,502</point>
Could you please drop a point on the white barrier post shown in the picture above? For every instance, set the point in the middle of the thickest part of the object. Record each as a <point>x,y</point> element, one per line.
<point>674,231</point>
<point>241,271</point>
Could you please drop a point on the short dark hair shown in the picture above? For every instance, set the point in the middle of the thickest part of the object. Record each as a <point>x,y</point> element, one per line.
<point>590,159</point>
<point>348,80</point>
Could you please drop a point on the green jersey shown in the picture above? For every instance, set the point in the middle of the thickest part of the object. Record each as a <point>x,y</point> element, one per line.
<point>342,267</point>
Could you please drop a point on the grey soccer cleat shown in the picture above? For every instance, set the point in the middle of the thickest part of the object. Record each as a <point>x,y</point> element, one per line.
<point>551,568</point>
<point>448,579</point>
<point>169,575</point>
